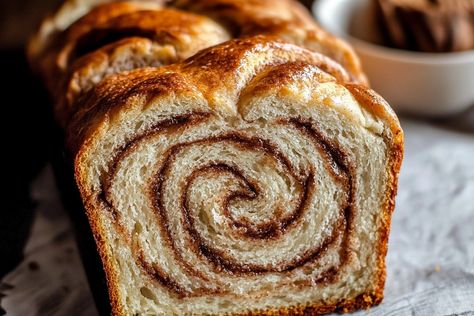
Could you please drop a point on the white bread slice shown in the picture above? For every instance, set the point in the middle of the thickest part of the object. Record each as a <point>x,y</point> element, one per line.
<point>252,179</point>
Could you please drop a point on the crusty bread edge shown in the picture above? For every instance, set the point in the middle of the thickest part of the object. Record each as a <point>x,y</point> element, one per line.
<point>101,249</point>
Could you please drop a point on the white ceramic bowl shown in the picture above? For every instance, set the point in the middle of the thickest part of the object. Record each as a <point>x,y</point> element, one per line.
<point>413,82</point>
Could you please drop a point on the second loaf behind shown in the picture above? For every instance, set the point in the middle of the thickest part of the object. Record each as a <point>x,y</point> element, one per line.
<point>86,41</point>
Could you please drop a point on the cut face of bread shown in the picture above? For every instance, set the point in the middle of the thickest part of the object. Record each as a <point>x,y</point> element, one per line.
<point>66,26</point>
<point>188,32</point>
<point>253,178</point>
<point>130,40</point>
<point>127,54</point>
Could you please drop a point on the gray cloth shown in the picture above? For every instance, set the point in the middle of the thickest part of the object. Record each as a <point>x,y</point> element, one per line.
<point>430,263</point>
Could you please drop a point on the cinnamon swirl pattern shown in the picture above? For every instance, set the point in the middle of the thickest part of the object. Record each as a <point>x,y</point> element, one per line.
<point>228,207</point>
<point>218,181</point>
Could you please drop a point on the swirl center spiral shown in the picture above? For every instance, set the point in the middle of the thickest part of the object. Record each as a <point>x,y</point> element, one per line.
<point>233,203</point>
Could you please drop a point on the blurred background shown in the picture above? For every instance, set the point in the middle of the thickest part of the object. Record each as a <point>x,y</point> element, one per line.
<point>25,124</point>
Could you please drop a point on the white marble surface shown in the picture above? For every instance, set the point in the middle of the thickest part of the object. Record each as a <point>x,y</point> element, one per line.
<point>431,252</point>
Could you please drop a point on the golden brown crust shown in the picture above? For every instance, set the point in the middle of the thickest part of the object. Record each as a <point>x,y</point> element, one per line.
<point>251,17</point>
<point>160,37</point>
<point>363,301</point>
<point>114,94</point>
<point>104,255</point>
<point>165,26</point>
<point>215,69</point>
<point>285,19</point>
<point>51,60</point>
<point>66,14</point>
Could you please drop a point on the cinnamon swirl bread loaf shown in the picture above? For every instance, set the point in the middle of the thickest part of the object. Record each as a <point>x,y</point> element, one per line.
<point>256,177</point>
